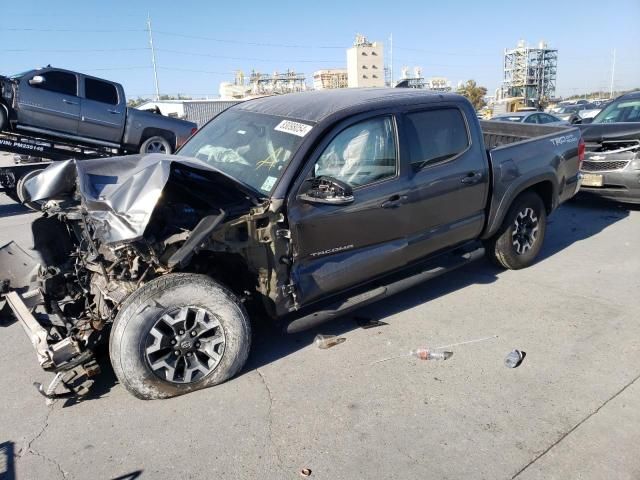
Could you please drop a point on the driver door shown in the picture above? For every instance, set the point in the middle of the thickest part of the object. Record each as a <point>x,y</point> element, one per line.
<point>52,104</point>
<point>342,246</point>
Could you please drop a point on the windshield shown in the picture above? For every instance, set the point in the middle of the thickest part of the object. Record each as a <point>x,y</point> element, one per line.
<point>253,148</point>
<point>620,111</point>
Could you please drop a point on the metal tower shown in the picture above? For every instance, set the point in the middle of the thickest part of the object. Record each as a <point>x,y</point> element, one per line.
<point>530,73</point>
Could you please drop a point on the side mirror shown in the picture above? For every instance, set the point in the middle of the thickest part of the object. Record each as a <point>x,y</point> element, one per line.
<point>37,80</point>
<point>327,190</point>
<point>586,120</point>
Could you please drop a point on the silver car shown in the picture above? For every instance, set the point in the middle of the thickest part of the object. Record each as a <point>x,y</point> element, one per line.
<point>531,117</point>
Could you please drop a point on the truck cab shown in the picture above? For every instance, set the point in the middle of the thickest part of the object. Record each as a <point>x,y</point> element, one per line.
<point>70,104</point>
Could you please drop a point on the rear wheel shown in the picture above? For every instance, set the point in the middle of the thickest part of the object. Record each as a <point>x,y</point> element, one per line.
<point>521,235</point>
<point>179,333</point>
<point>156,144</point>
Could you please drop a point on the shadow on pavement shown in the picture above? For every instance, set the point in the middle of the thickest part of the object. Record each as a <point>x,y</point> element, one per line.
<point>129,476</point>
<point>12,209</point>
<point>7,462</point>
<point>271,345</point>
<point>579,219</point>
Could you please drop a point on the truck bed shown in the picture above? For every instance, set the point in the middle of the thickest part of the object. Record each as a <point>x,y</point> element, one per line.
<point>496,134</point>
<point>523,154</point>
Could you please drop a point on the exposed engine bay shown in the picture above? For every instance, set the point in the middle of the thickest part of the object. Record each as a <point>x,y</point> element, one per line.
<point>111,225</point>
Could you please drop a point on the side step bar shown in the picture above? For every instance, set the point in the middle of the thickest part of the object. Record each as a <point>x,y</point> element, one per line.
<point>440,265</point>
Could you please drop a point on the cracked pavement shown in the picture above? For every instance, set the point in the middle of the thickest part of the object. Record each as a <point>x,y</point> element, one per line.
<point>571,410</point>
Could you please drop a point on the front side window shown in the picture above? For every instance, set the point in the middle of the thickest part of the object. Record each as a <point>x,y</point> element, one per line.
<point>436,136</point>
<point>532,119</point>
<point>361,154</point>
<point>60,82</point>
<point>100,91</point>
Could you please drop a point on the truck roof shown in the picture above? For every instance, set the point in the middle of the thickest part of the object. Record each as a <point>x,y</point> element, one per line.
<point>316,105</point>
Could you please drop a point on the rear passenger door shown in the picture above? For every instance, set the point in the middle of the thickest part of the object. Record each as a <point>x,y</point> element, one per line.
<point>449,180</point>
<point>103,111</point>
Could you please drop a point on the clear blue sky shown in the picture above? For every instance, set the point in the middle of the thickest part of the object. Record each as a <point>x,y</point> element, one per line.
<point>460,40</point>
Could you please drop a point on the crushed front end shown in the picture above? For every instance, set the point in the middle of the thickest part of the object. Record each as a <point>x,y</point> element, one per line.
<point>108,226</point>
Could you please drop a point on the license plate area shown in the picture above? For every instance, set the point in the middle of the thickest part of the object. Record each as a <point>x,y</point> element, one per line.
<point>591,180</point>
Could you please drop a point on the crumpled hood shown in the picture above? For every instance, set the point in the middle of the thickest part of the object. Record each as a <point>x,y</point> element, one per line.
<point>119,194</point>
<point>598,132</point>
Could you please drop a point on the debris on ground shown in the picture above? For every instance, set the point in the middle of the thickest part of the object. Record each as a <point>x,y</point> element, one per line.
<point>438,353</point>
<point>365,322</point>
<point>327,341</point>
<point>426,354</point>
<point>514,359</point>
<point>305,472</point>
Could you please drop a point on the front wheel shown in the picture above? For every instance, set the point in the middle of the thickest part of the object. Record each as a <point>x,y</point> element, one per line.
<point>520,238</point>
<point>178,333</point>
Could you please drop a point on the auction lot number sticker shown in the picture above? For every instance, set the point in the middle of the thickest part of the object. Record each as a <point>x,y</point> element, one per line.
<point>294,128</point>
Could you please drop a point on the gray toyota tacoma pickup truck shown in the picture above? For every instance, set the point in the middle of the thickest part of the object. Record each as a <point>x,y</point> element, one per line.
<point>61,104</point>
<point>293,209</point>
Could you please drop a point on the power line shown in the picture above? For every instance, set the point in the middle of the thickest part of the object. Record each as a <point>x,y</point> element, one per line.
<point>240,42</point>
<point>253,59</point>
<point>70,50</point>
<point>70,30</point>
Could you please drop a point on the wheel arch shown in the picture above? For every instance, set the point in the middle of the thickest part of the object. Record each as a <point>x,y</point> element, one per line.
<point>544,185</point>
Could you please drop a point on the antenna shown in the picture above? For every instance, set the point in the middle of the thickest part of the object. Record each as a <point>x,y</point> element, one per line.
<point>613,71</point>
<point>153,57</point>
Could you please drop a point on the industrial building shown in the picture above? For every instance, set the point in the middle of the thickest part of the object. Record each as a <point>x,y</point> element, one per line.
<point>197,111</point>
<point>260,84</point>
<point>330,78</point>
<point>530,73</point>
<point>365,63</point>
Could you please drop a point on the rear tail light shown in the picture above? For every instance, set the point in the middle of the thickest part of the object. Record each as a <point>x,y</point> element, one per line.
<point>581,148</point>
<point>182,141</point>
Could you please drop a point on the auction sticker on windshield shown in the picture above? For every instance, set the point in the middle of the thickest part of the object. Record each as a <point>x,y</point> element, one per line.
<point>294,128</point>
<point>268,184</point>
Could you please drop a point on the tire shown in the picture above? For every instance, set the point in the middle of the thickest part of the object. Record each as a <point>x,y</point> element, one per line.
<point>4,119</point>
<point>141,350</point>
<point>22,194</point>
<point>156,144</point>
<point>521,235</point>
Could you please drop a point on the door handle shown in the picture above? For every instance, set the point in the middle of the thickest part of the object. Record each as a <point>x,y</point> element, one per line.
<point>471,178</point>
<point>394,202</point>
<point>115,112</point>
<point>64,100</point>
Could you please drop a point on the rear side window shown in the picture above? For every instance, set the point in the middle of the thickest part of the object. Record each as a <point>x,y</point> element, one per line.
<point>100,91</point>
<point>60,82</point>
<point>436,136</point>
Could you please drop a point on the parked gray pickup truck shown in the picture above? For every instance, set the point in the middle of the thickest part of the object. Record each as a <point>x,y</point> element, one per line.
<point>297,208</point>
<point>60,104</point>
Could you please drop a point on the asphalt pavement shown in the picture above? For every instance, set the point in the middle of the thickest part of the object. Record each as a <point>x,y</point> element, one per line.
<point>571,410</point>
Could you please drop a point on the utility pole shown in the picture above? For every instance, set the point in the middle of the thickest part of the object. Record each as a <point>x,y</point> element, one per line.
<point>613,71</point>
<point>391,58</point>
<point>153,57</point>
